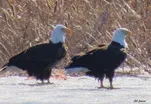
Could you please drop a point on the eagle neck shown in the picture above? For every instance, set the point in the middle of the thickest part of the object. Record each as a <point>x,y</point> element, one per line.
<point>114,44</point>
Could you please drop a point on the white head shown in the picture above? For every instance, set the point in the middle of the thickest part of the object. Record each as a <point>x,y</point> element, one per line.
<point>119,36</point>
<point>58,33</point>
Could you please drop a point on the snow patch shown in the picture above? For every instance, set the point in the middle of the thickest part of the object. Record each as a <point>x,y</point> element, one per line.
<point>74,90</point>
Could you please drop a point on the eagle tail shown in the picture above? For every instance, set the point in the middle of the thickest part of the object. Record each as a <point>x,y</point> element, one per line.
<point>3,70</point>
<point>4,67</point>
<point>76,70</point>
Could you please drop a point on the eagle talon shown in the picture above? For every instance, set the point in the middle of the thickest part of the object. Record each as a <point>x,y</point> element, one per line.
<point>48,82</point>
<point>101,87</point>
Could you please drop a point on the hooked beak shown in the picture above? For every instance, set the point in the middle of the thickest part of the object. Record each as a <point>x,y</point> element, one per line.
<point>68,31</point>
<point>129,33</point>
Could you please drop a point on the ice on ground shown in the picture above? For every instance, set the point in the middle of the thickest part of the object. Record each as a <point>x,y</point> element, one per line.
<point>75,90</point>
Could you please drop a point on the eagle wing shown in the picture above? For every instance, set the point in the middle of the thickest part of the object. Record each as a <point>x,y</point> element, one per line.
<point>39,53</point>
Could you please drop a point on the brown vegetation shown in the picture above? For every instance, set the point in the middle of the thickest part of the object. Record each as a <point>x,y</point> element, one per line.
<point>24,23</point>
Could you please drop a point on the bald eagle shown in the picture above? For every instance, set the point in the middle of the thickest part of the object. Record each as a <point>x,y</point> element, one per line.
<point>39,60</point>
<point>102,61</point>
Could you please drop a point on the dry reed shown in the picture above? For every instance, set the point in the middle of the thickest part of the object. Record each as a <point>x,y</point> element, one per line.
<point>25,23</point>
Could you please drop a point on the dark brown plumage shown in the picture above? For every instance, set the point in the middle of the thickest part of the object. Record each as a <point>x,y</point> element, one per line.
<point>39,60</point>
<point>102,60</point>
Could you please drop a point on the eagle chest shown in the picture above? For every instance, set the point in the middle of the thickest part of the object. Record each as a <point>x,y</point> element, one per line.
<point>61,52</point>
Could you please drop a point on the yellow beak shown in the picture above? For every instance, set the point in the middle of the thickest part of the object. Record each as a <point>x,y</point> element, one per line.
<point>68,31</point>
<point>130,33</point>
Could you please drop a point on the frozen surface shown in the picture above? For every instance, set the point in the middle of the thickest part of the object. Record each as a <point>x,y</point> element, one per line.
<point>75,90</point>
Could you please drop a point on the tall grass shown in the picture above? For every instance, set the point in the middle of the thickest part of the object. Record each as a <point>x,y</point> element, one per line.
<point>24,23</point>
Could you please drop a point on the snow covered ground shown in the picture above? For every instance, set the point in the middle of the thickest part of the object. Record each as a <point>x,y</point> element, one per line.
<point>75,90</point>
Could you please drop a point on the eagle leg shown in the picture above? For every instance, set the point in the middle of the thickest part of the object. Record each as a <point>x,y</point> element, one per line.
<point>42,82</point>
<point>110,75</point>
<point>48,82</point>
<point>111,80</point>
<point>101,83</point>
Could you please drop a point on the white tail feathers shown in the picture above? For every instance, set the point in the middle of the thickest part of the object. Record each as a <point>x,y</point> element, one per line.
<point>3,68</point>
<point>76,70</point>
<point>10,70</point>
